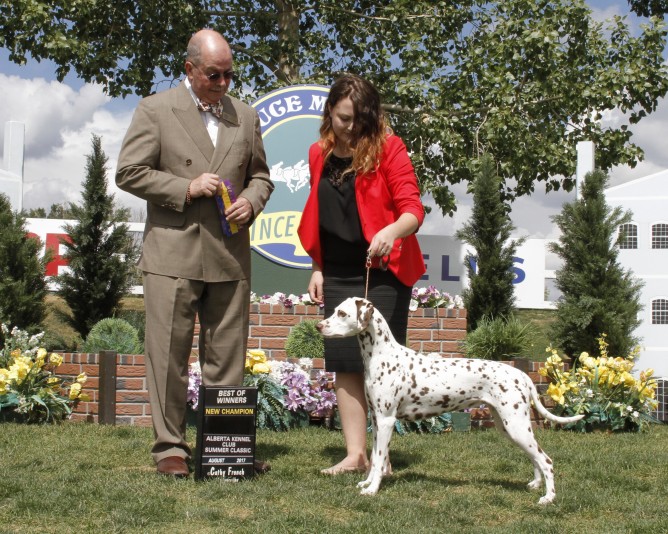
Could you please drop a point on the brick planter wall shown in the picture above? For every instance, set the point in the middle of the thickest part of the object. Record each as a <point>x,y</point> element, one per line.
<point>429,330</point>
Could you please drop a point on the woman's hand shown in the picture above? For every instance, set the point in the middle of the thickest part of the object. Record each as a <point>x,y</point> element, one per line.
<point>315,287</point>
<point>383,241</point>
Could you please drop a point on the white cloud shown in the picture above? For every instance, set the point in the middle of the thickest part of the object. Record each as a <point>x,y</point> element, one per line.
<point>47,108</point>
<point>59,124</point>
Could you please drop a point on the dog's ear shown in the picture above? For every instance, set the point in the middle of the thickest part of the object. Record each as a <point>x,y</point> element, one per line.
<point>364,313</point>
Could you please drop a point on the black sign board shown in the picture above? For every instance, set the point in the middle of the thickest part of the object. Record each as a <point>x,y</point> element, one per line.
<point>226,432</point>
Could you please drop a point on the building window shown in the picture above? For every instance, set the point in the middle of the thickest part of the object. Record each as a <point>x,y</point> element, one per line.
<point>660,311</point>
<point>628,236</point>
<point>660,235</point>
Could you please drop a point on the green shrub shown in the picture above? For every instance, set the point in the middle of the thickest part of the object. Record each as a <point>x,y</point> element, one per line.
<point>60,340</point>
<point>136,318</point>
<point>113,334</point>
<point>499,339</point>
<point>304,341</point>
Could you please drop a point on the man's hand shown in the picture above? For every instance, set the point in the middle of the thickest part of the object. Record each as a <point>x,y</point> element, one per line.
<point>205,185</point>
<point>240,212</point>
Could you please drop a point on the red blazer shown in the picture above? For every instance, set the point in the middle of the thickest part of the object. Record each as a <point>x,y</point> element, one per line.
<point>382,196</point>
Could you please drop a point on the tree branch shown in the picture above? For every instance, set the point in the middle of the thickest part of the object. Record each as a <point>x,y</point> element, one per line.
<point>363,16</point>
<point>214,13</point>
<point>272,67</point>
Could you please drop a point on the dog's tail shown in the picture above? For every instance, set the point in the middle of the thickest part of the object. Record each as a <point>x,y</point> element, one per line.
<point>545,413</point>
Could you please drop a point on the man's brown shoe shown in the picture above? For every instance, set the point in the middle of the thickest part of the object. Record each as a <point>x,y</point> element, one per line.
<point>174,466</point>
<point>261,467</point>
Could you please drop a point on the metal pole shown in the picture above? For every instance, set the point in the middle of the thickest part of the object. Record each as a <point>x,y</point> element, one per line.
<point>106,406</point>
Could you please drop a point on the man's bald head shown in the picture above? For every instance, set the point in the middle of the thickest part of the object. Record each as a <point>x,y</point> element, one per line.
<point>206,42</point>
<point>209,65</point>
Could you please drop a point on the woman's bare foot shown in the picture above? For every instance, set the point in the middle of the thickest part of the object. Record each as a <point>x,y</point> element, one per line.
<point>345,466</point>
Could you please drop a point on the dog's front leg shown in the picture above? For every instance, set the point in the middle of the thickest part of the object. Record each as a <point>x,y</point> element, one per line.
<point>383,428</point>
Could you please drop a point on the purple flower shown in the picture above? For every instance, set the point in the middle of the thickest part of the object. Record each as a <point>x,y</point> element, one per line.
<point>294,380</point>
<point>194,382</point>
<point>293,400</point>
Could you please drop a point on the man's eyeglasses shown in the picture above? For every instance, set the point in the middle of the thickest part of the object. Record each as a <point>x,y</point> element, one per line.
<point>215,76</point>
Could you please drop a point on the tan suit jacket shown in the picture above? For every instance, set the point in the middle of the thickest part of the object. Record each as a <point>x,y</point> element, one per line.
<point>166,146</point>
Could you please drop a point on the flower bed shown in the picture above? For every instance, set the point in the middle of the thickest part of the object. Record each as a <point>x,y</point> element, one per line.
<point>289,395</point>
<point>30,389</point>
<point>603,389</point>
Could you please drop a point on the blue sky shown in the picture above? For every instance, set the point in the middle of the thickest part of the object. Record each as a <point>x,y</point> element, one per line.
<point>60,118</point>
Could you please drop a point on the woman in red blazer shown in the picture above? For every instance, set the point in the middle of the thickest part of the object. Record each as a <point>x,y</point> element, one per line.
<point>364,200</point>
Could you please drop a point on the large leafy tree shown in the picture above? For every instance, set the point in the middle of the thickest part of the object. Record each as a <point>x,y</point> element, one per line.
<point>647,8</point>
<point>599,296</point>
<point>490,265</point>
<point>522,80</point>
<point>100,250</point>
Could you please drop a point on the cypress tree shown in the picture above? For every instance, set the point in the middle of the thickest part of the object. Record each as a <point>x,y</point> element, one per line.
<point>598,295</point>
<point>23,287</point>
<point>100,250</point>
<point>490,268</point>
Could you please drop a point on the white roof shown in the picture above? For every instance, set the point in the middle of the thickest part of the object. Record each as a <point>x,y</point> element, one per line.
<point>652,187</point>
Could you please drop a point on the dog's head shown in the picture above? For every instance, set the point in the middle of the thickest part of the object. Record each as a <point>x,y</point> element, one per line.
<point>350,317</point>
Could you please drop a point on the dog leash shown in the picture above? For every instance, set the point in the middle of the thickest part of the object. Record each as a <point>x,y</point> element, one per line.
<point>383,265</point>
<point>368,270</point>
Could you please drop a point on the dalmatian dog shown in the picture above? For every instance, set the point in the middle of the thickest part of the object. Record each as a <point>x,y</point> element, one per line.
<point>402,384</point>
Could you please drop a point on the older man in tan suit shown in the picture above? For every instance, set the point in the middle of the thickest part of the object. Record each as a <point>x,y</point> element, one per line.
<point>180,143</point>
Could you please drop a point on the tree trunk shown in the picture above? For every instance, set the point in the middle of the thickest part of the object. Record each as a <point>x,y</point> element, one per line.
<point>288,40</point>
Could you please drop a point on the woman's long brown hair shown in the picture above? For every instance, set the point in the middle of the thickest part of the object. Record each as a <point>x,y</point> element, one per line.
<point>370,129</point>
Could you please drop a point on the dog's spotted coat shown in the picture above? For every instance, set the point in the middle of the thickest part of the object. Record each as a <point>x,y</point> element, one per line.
<point>402,384</point>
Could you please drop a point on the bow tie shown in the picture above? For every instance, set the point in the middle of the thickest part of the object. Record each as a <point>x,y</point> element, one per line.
<point>215,109</point>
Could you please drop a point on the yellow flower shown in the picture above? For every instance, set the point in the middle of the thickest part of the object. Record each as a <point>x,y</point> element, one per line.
<point>53,382</point>
<point>20,369</point>
<point>75,390</point>
<point>627,379</point>
<point>556,391</point>
<point>55,359</point>
<point>15,353</point>
<point>257,354</point>
<point>82,378</point>
<point>254,357</point>
<point>261,368</point>
<point>646,374</point>
<point>587,360</point>
<point>41,356</point>
<point>4,380</point>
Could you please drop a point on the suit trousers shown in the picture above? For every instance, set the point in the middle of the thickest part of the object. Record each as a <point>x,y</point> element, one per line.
<point>171,306</point>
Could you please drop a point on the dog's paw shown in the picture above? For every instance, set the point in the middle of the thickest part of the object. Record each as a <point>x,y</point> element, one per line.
<point>535,484</point>
<point>546,500</point>
<point>364,483</point>
<point>371,490</point>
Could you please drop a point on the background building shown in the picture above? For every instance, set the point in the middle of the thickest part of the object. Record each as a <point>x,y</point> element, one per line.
<point>11,173</point>
<point>644,250</point>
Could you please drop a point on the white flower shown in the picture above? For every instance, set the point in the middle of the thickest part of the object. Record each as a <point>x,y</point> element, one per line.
<point>306,364</point>
<point>413,305</point>
<point>306,299</point>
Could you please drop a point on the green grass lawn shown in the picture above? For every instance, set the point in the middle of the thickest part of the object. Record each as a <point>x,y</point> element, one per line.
<point>78,477</point>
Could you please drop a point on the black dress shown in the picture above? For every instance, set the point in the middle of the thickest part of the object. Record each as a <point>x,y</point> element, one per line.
<point>344,266</point>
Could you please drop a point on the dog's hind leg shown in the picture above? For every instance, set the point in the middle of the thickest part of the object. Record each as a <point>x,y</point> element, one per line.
<point>517,428</point>
<point>383,428</point>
